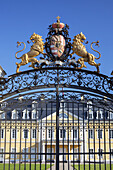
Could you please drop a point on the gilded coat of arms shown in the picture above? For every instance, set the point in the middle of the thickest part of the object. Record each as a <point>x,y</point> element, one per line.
<point>59,50</point>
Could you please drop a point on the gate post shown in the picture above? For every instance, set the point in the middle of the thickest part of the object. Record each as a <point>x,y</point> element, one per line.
<point>57,122</point>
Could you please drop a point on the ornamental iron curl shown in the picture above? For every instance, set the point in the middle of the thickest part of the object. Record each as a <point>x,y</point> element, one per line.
<point>46,78</point>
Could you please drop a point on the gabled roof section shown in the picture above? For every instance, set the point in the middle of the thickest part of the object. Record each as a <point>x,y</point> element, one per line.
<point>63,114</point>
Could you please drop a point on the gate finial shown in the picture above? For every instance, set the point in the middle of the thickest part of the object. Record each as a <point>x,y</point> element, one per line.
<point>58,19</point>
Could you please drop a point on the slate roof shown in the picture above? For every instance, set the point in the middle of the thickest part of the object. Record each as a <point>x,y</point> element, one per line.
<point>45,108</point>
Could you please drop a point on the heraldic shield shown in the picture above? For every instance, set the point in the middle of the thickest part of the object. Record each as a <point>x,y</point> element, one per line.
<point>57,45</point>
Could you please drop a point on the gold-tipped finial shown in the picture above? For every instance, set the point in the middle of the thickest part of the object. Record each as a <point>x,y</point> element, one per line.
<point>58,19</point>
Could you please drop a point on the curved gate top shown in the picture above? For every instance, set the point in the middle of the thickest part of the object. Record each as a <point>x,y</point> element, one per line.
<point>56,115</point>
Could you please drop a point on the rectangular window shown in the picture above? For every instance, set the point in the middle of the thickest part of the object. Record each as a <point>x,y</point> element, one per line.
<point>91,155</point>
<point>99,116</point>
<point>111,134</point>
<point>75,133</point>
<point>3,115</point>
<point>2,133</point>
<point>90,116</point>
<point>26,114</point>
<point>62,133</point>
<point>1,154</point>
<point>49,133</point>
<point>34,115</point>
<point>111,115</point>
<point>100,134</point>
<point>75,153</point>
<point>25,133</point>
<point>13,133</point>
<point>13,115</point>
<point>24,155</point>
<point>33,150</point>
<point>111,150</point>
<point>91,133</point>
<point>13,151</point>
<point>33,133</point>
<point>100,155</point>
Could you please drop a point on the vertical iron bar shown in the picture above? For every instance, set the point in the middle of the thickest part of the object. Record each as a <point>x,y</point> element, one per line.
<point>109,140</point>
<point>57,121</point>
<point>36,129</point>
<point>88,135</point>
<point>51,140</point>
<point>30,142</point>
<point>46,139</point>
<point>73,133</point>
<point>31,134</point>
<point>1,152</point>
<point>94,117</point>
<point>68,132</point>
<point>78,137</point>
<point>63,133</point>
<point>15,155</point>
<point>25,138</point>
<point>20,138</point>
<point>41,137</point>
<point>99,139</point>
<point>35,138</point>
<point>10,145</point>
<point>83,137</point>
<point>5,139</point>
<point>104,138</point>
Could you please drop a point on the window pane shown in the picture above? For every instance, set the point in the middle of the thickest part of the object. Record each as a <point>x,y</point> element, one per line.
<point>13,150</point>
<point>75,133</point>
<point>1,155</point>
<point>90,133</point>
<point>100,133</point>
<point>2,133</point>
<point>25,133</point>
<point>13,133</point>
<point>111,134</point>
<point>91,151</point>
<point>34,133</point>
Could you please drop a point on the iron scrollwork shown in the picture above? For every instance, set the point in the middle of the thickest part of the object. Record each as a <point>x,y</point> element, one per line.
<point>68,78</point>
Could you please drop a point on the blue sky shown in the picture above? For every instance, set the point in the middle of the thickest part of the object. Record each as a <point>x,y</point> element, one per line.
<point>19,19</point>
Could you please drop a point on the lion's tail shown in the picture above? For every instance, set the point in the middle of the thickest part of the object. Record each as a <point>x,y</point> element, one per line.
<point>97,43</point>
<point>19,44</point>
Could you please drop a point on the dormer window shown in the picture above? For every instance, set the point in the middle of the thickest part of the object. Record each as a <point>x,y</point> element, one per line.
<point>25,114</point>
<point>14,114</point>
<point>34,114</point>
<point>89,105</point>
<point>99,114</point>
<point>62,104</point>
<point>3,115</point>
<point>89,114</point>
<point>34,104</point>
<point>111,115</point>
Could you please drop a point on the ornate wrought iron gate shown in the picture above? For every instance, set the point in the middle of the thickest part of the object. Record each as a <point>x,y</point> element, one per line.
<point>57,116</point>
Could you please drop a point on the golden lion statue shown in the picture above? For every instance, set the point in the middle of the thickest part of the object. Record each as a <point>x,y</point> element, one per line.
<point>80,50</point>
<point>35,50</point>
